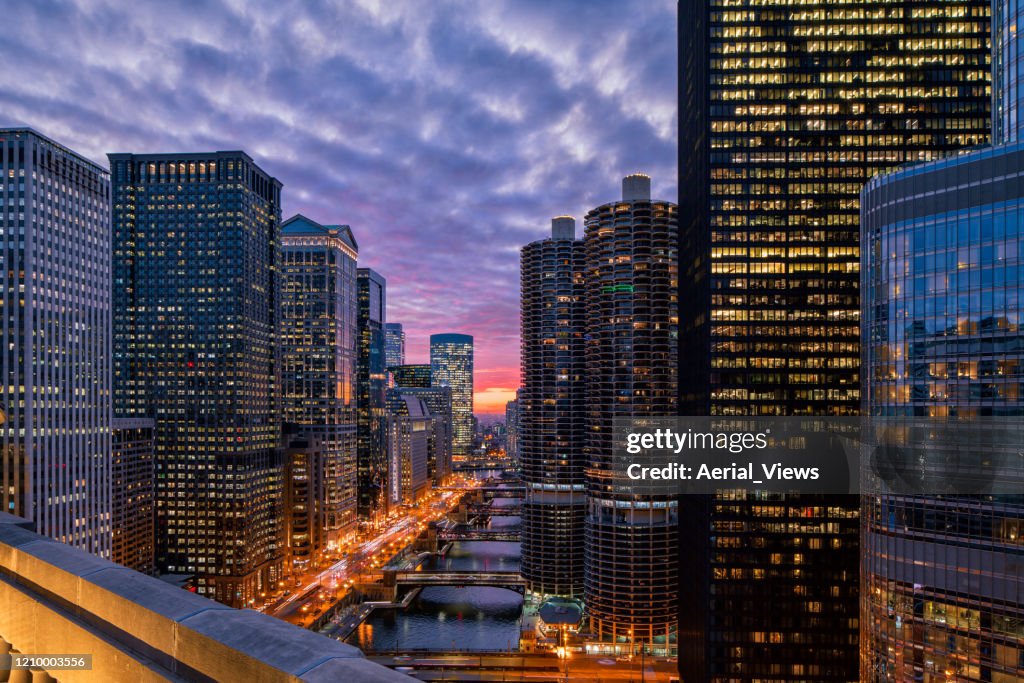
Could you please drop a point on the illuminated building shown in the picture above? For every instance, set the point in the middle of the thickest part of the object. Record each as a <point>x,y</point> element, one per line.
<point>631,580</point>
<point>133,494</point>
<point>371,385</point>
<point>305,534</point>
<point>317,349</point>
<point>512,427</point>
<point>196,268</point>
<point>439,405</point>
<point>943,244</point>
<point>394,345</point>
<point>55,400</point>
<point>551,429</point>
<point>409,429</point>
<point>788,109</point>
<point>451,365</point>
<point>412,376</point>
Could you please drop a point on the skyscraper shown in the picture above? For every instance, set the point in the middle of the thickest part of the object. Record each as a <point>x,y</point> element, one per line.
<point>371,385</point>
<point>55,274</point>
<point>631,323</point>
<point>512,427</point>
<point>409,428</point>
<point>451,365</point>
<point>943,245</point>
<point>318,373</point>
<point>394,345</point>
<point>551,405</point>
<point>438,401</point>
<point>786,113</point>
<point>196,264</point>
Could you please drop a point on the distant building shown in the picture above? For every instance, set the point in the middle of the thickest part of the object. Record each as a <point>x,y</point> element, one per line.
<point>412,376</point>
<point>394,345</point>
<point>371,384</point>
<point>196,310</point>
<point>56,376</point>
<point>451,364</point>
<point>512,430</point>
<point>439,404</point>
<point>133,494</point>
<point>318,373</point>
<point>409,429</point>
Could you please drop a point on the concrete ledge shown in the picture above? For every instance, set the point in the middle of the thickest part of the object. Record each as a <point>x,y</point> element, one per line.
<point>55,599</point>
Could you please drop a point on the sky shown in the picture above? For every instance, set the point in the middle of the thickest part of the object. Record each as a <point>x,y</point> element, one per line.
<point>446,133</point>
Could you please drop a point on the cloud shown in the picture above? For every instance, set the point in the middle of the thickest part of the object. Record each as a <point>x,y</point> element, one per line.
<point>445,133</point>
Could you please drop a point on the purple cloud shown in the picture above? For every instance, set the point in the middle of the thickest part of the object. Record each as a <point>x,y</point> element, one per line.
<point>445,133</point>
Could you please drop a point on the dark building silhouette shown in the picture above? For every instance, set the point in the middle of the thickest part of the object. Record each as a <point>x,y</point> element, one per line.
<point>371,385</point>
<point>196,279</point>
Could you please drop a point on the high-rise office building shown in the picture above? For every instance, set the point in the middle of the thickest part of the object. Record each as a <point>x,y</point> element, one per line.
<point>394,345</point>
<point>512,430</point>
<point>317,351</point>
<point>196,266</point>
<point>55,412</point>
<point>787,112</point>
<point>305,534</point>
<point>412,376</point>
<point>371,385</point>
<point>451,365</point>
<point>133,494</point>
<point>631,581</point>
<point>439,405</point>
<point>943,245</point>
<point>409,433</point>
<point>551,411</point>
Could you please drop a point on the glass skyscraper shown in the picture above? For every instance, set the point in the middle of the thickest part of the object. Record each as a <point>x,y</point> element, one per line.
<point>55,439</point>
<point>196,285</point>
<point>451,365</point>
<point>412,375</point>
<point>787,110</point>
<point>371,385</point>
<point>317,350</point>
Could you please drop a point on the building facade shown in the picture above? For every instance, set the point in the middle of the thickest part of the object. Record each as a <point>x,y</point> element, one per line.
<point>371,385</point>
<point>787,112</point>
<point>943,307</point>
<point>133,494</point>
<point>196,286</point>
<point>438,401</point>
<point>305,534</point>
<point>394,345</point>
<point>512,427</point>
<point>451,365</point>
<point>55,275</point>
<point>412,376</point>
<point>631,581</point>
<point>409,433</point>
<point>318,370</point>
<point>550,411</point>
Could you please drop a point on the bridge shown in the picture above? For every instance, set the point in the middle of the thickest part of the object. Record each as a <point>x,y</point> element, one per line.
<point>495,511</point>
<point>510,580</point>
<point>478,535</point>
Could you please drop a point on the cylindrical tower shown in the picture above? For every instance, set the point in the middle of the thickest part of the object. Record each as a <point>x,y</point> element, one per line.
<point>942,288</point>
<point>631,577</point>
<point>551,404</point>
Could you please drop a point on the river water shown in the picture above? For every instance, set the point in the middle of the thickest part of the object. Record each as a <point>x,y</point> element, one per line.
<point>473,619</point>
